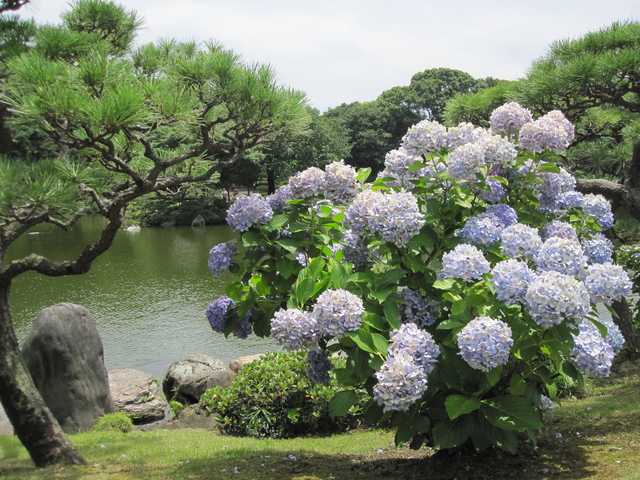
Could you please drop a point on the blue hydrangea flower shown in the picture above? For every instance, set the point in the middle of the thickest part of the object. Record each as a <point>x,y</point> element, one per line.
<point>553,184</point>
<point>495,195</point>
<point>591,353</point>
<point>278,199</point>
<point>599,208</point>
<point>552,132</point>
<point>465,262</point>
<point>218,313</point>
<point>568,200</point>
<point>607,282</point>
<point>338,312</point>
<point>340,184</point>
<point>506,215</point>
<point>562,255</point>
<point>425,137</point>
<point>509,118</point>
<point>416,343</point>
<point>598,248</point>
<point>243,327</point>
<point>557,228</point>
<point>546,405</point>
<point>481,230</point>
<point>308,183</point>
<point>247,211</point>
<point>553,297</point>
<point>221,257</point>
<point>510,279</point>
<point>614,335</point>
<point>485,343</point>
<point>318,366</point>
<point>417,309</point>
<point>293,329</point>
<point>520,240</point>
<point>401,382</point>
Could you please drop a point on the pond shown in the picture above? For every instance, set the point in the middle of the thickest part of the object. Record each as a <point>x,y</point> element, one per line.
<point>148,293</point>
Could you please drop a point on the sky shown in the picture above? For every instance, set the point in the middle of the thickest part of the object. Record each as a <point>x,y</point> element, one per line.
<point>342,51</point>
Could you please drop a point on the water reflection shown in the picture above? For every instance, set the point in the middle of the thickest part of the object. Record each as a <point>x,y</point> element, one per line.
<point>148,293</point>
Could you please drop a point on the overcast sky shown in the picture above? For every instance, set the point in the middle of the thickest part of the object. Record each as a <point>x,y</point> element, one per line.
<point>341,51</point>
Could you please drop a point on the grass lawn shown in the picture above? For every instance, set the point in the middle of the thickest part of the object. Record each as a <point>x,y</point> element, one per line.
<point>596,436</point>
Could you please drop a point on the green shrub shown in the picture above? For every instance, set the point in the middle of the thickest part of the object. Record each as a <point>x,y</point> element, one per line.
<point>114,422</point>
<point>273,397</point>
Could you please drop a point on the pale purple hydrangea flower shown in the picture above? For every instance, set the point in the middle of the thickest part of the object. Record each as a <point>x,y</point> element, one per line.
<point>496,194</point>
<point>278,199</point>
<point>485,343</point>
<point>308,183</point>
<point>553,297</point>
<point>462,134</point>
<point>465,262</point>
<point>520,240</point>
<point>400,384</point>
<point>293,329</point>
<point>546,405</point>
<point>221,257</point>
<point>551,131</point>
<point>417,309</point>
<point>481,230</point>
<point>562,255</point>
<point>598,248</point>
<point>218,313</point>
<point>354,251</point>
<point>557,228</point>
<point>341,184</point>
<point>607,282</point>
<point>509,118</point>
<point>425,137</point>
<point>591,353</point>
<point>397,163</point>
<point>318,366</point>
<point>248,211</point>
<point>498,150</point>
<point>465,161</point>
<point>338,312</point>
<point>599,208</point>
<point>506,215</point>
<point>416,343</point>
<point>553,184</point>
<point>243,327</point>
<point>510,279</point>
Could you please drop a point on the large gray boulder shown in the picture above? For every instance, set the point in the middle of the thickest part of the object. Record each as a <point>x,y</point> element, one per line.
<point>65,357</point>
<point>198,221</point>
<point>137,394</point>
<point>187,380</point>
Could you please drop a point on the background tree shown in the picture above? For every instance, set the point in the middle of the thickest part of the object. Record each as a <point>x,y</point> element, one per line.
<point>106,107</point>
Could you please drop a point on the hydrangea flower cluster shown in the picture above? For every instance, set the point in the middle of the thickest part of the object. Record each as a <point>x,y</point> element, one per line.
<point>354,251</point>
<point>417,309</point>
<point>546,405</point>
<point>318,366</point>
<point>465,161</point>
<point>247,211</point>
<point>485,343</point>
<point>465,262</point>
<point>221,310</point>
<point>553,297</point>
<point>278,199</point>
<point>341,184</point>
<point>557,228</point>
<point>568,200</point>
<point>614,335</point>
<point>424,137</point>
<point>338,312</point>
<point>496,192</point>
<point>591,353</point>
<point>598,248</point>
<point>562,255</point>
<point>510,279</point>
<point>221,257</point>
<point>509,118</point>
<point>395,216</point>
<point>402,379</point>
<point>599,208</point>
<point>308,183</point>
<point>293,329</point>
<point>520,240</point>
<point>606,282</point>
<point>481,230</point>
<point>552,131</point>
<point>462,134</point>
<point>553,184</point>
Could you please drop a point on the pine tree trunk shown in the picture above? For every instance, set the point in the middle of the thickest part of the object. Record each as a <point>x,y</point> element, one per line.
<point>32,421</point>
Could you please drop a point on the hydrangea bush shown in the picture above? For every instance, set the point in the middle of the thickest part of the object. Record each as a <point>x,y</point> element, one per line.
<point>458,284</point>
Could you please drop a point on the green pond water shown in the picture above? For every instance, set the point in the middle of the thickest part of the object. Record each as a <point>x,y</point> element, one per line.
<point>148,293</point>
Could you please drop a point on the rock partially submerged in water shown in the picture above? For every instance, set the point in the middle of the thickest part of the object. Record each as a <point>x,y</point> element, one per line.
<point>137,394</point>
<point>187,380</point>
<point>237,364</point>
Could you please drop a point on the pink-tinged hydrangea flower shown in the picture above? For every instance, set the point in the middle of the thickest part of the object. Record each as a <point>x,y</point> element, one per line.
<point>509,118</point>
<point>395,216</point>
<point>520,240</point>
<point>485,343</point>
<point>417,309</point>
<point>551,132</point>
<point>338,312</point>
<point>562,255</point>
<point>341,184</point>
<point>293,329</point>
<point>278,199</point>
<point>425,137</point>
<point>247,211</point>
<point>553,297</point>
<point>607,282</point>
<point>598,248</point>
<point>510,279</point>
<point>557,228</point>
<point>416,343</point>
<point>308,183</point>
<point>465,262</point>
<point>221,257</point>
<point>318,366</point>
<point>400,384</point>
<point>591,353</point>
